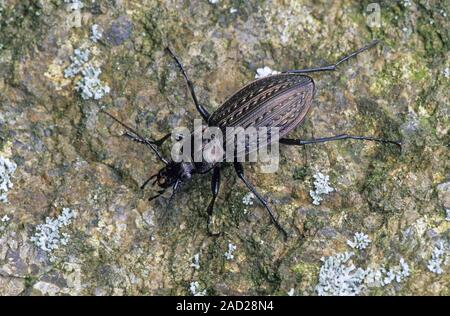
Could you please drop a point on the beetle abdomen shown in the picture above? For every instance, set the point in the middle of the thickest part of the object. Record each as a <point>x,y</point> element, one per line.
<point>276,101</point>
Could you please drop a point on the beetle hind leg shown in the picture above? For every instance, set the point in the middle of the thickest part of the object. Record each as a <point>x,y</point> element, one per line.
<point>240,172</point>
<point>215,186</point>
<point>300,142</point>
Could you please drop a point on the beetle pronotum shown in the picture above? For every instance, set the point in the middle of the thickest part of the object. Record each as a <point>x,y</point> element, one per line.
<point>248,107</point>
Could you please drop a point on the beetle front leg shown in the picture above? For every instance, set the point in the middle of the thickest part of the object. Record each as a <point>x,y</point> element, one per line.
<point>288,141</point>
<point>215,186</point>
<point>240,172</point>
<point>200,108</point>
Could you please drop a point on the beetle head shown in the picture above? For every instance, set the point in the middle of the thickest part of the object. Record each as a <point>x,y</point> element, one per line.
<point>172,173</point>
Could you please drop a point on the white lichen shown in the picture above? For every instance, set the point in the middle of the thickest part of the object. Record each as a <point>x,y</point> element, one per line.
<point>338,277</point>
<point>194,287</point>
<point>291,292</point>
<point>5,219</point>
<point>374,277</point>
<point>407,3</point>
<point>213,1</point>
<point>74,4</point>
<point>321,187</point>
<point>396,273</point>
<point>229,254</point>
<point>49,235</point>
<point>79,59</point>
<point>438,258</point>
<point>96,33</point>
<point>196,261</point>
<point>360,241</point>
<point>264,72</point>
<point>7,169</point>
<point>447,214</point>
<point>248,198</point>
<point>90,85</point>
<point>446,72</point>
<point>233,10</point>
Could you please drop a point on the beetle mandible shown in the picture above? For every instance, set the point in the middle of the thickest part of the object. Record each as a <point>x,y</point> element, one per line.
<point>247,107</point>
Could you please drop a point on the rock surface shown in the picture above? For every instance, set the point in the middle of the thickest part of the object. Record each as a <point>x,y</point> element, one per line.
<point>70,155</point>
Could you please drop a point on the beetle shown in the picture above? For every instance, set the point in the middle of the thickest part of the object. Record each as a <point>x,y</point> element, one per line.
<point>261,103</point>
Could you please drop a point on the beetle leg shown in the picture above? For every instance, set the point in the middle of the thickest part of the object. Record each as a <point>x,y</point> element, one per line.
<point>240,172</point>
<point>148,180</point>
<point>288,141</point>
<point>333,67</point>
<point>160,192</point>
<point>161,141</point>
<point>200,108</point>
<point>215,186</point>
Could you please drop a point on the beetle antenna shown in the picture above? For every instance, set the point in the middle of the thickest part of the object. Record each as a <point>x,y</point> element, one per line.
<point>333,66</point>
<point>142,139</point>
<point>362,49</point>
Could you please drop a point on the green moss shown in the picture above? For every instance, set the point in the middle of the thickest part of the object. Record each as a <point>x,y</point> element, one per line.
<point>300,173</point>
<point>30,280</point>
<point>264,273</point>
<point>157,24</point>
<point>432,36</point>
<point>421,74</point>
<point>314,222</point>
<point>410,68</point>
<point>306,272</point>
<point>4,137</point>
<point>375,185</point>
<point>153,38</point>
<point>21,26</point>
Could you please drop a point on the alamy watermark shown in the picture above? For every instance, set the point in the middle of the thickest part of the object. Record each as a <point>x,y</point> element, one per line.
<point>373,11</point>
<point>212,144</point>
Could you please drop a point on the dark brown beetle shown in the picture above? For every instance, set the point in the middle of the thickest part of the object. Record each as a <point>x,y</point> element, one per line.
<point>281,100</point>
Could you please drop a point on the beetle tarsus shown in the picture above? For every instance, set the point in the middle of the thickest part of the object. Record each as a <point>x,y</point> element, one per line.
<point>211,234</point>
<point>300,142</point>
<point>215,186</point>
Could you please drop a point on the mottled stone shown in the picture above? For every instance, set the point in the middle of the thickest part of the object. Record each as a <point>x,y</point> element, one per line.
<point>11,286</point>
<point>443,191</point>
<point>119,31</point>
<point>69,154</point>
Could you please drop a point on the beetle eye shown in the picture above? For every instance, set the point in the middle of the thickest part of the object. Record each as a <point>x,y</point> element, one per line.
<point>178,137</point>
